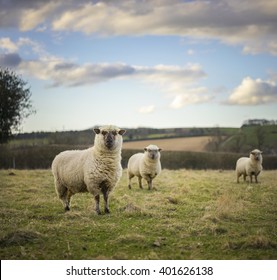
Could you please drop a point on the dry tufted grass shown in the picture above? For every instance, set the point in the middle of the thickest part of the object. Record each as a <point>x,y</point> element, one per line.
<point>189,215</point>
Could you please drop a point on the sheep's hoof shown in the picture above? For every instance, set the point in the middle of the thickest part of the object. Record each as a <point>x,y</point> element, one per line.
<point>129,186</point>
<point>66,208</point>
<point>107,211</point>
<point>98,212</point>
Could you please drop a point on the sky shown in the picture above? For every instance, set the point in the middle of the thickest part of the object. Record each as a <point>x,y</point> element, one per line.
<point>133,63</point>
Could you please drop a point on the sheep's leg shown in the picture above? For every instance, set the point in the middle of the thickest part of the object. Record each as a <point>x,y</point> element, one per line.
<point>250,178</point>
<point>256,177</point>
<point>64,195</point>
<point>97,202</point>
<point>149,181</point>
<point>106,200</point>
<point>105,191</point>
<point>130,176</point>
<point>140,183</point>
<point>244,177</point>
<point>65,203</point>
<point>67,200</point>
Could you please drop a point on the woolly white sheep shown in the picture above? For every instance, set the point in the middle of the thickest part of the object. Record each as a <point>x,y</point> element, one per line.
<point>145,165</point>
<point>95,170</point>
<point>249,166</point>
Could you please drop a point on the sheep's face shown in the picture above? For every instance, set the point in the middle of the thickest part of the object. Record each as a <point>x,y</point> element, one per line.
<point>153,152</point>
<point>256,155</point>
<point>109,137</point>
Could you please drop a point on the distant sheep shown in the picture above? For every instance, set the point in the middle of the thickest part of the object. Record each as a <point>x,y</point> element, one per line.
<point>145,165</point>
<point>249,166</point>
<point>95,170</point>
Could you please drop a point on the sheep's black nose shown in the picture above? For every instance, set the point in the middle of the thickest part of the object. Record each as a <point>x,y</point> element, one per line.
<point>109,141</point>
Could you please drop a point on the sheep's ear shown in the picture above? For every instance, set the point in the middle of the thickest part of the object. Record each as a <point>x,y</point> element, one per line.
<point>121,131</point>
<point>145,149</point>
<point>96,130</point>
<point>160,149</point>
<point>252,153</point>
<point>261,152</point>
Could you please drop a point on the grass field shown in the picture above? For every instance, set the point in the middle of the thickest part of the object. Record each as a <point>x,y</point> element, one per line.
<point>195,144</point>
<point>189,215</point>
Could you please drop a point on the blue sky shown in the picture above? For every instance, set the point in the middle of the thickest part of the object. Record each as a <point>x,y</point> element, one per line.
<point>137,63</point>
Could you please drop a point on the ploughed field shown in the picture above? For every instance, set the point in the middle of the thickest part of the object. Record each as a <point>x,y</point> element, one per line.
<point>190,214</point>
<point>195,144</point>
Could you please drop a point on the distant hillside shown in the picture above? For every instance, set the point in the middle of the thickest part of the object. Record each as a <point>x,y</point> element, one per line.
<point>249,137</point>
<point>85,137</point>
<point>215,139</point>
<point>240,140</point>
<point>196,148</point>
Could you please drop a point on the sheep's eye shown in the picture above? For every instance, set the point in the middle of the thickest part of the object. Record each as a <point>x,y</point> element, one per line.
<point>104,132</point>
<point>114,132</point>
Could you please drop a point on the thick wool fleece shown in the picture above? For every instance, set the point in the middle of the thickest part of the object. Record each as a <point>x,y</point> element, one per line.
<point>95,170</point>
<point>145,165</point>
<point>249,166</point>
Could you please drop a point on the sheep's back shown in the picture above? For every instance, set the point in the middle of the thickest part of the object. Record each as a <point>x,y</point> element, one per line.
<point>68,166</point>
<point>241,164</point>
<point>134,163</point>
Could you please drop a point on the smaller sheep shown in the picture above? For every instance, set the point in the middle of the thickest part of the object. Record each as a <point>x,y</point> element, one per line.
<point>249,166</point>
<point>145,165</point>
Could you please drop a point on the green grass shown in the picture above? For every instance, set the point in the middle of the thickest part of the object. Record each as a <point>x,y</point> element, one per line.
<point>189,215</point>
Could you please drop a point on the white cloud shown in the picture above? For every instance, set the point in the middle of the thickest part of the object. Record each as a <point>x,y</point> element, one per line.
<point>36,47</point>
<point>191,96</point>
<point>170,78</point>
<point>12,51</point>
<point>174,81</point>
<point>147,109</point>
<point>10,46</point>
<point>253,92</point>
<point>60,73</point>
<point>249,23</point>
<point>7,45</point>
<point>177,82</point>
<point>32,17</point>
<point>244,22</point>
